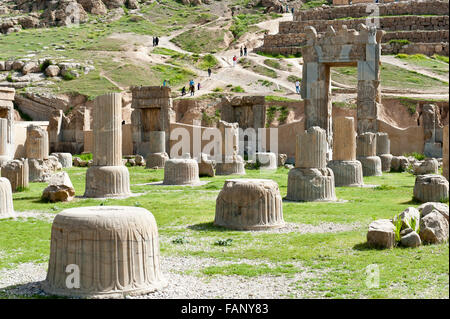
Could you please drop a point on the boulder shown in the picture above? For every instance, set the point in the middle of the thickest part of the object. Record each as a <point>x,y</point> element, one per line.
<point>433,228</point>
<point>78,162</point>
<point>399,163</point>
<point>31,67</point>
<point>427,208</point>
<point>428,166</point>
<point>60,189</point>
<point>139,160</point>
<point>282,159</point>
<point>17,65</point>
<point>42,170</point>
<point>381,234</point>
<point>412,239</point>
<point>52,71</point>
<point>206,166</point>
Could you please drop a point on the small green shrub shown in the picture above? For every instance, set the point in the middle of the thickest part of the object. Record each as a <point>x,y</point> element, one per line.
<point>223,242</point>
<point>180,240</point>
<point>400,41</point>
<point>416,155</point>
<point>238,89</point>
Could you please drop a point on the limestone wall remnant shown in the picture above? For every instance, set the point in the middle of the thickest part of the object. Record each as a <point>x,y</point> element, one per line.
<point>7,96</point>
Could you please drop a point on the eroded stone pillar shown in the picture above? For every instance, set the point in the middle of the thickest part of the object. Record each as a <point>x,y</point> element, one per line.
<point>108,177</point>
<point>4,151</point>
<point>384,151</point>
<point>366,151</point>
<point>37,146</point>
<point>311,180</point>
<point>17,172</point>
<point>7,96</point>
<point>181,171</point>
<point>157,156</point>
<point>445,153</point>
<point>115,250</point>
<point>431,127</point>
<point>249,204</point>
<point>347,170</point>
<point>231,162</point>
<point>6,202</point>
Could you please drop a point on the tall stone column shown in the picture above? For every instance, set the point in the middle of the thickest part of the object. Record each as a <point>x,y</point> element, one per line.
<point>316,93</point>
<point>347,170</point>
<point>431,129</point>
<point>108,177</point>
<point>445,153</point>
<point>366,151</point>
<point>311,180</point>
<point>384,151</point>
<point>231,162</point>
<point>7,96</point>
<point>4,151</point>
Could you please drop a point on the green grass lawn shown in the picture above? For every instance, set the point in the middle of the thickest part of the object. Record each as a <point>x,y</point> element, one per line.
<point>339,259</point>
<point>390,75</point>
<point>433,65</point>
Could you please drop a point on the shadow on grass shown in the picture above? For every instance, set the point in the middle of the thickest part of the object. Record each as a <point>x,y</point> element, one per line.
<point>365,247</point>
<point>412,201</point>
<point>208,227</point>
<point>30,290</point>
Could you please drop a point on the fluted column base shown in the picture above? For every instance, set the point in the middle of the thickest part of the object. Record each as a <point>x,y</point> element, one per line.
<point>234,168</point>
<point>107,181</point>
<point>249,204</point>
<point>347,173</point>
<point>431,188</point>
<point>6,201</point>
<point>386,160</point>
<point>181,172</point>
<point>371,165</point>
<point>310,185</point>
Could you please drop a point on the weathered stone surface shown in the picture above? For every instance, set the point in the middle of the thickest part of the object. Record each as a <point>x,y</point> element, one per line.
<point>205,166</point>
<point>60,189</point>
<point>107,181</point>
<point>6,199</point>
<point>125,260</point>
<point>371,165</point>
<point>407,217</point>
<point>281,159</point>
<point>311,184</point>
<point>181,172</point>
<point>431,188</point>
<point>383,144</point>
<point>17,172</point>
<point>311,148</point>
<point>140,161</point>
<point>42,170</point>
<point>347,173</point>
<point>52,71</point>
<point>344,139</point>
<point>31,67</point>
<point>156,160</point>
<point>433,228</point>
<point>249,204</point>
<point>386,160</point>
<point>64,158</point>
<point>78,162</point>
<point>427,208</point>
<point>381,234</point>
<point>233,168</point>
<point>366,145</point>
<point>399,164</point>
<point>37,144</point>
<point>445,146</point>
<point>427,166</point>
<point>411,239</point>
<point>267,160</point>
<point>231,162</point>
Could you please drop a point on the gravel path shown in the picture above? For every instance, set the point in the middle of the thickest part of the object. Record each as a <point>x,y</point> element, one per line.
<point>24,280</point>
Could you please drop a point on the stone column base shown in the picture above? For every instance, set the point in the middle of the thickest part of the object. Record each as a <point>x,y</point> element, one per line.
<point>267,160</point>
<point>107,181</point>
<point>431,188</point>
<point>347,173</point>
<point>385,162</point>
<point>371,165</point>
<point>311,184</point>
<point>181,172</point>
<point>6,199</point>
<point>234,168</point>
<point>156,160</point>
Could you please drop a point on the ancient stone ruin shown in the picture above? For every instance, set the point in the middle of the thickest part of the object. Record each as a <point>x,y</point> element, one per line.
<point>384,151</point>
<point>17,172</point>
<point>249,204</point>
<point>347,170</point>
<point>431,188</point>
<point>60,189</point>
<point>6,199</point>
<point>206,166</point>
<point>115,248</point>
<point>37,143</point>
<point>344,47</point>
<point>152,111</point>
<point>65,159</point>
<point>445,153</point>
<point>6,124</point>
<point>267,160</point>
<point>366,151</point>
<point>181,171</point>
<point>432,130</point>
<point>157,155</point>
<point>231,162</point>
<point>311,180</point>
<point>107,177</point>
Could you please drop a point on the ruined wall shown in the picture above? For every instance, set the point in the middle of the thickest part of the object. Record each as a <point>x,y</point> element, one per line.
<point>20,136</point>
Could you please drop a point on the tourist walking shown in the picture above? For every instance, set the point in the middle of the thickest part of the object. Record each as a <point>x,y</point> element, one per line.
<point>209,72</point>
<point>198,86</point>
<point>164,83</point>
<point>242,52</point>
<point>192,87</point>
<point>183,91</point>
<point>245,50</point>
<point>234,61</point>
<point>156,41</point>
<point>292,10</point>
<point>297,86</point>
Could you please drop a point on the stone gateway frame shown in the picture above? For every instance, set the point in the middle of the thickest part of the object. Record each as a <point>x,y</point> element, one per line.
<point>345,47</point>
